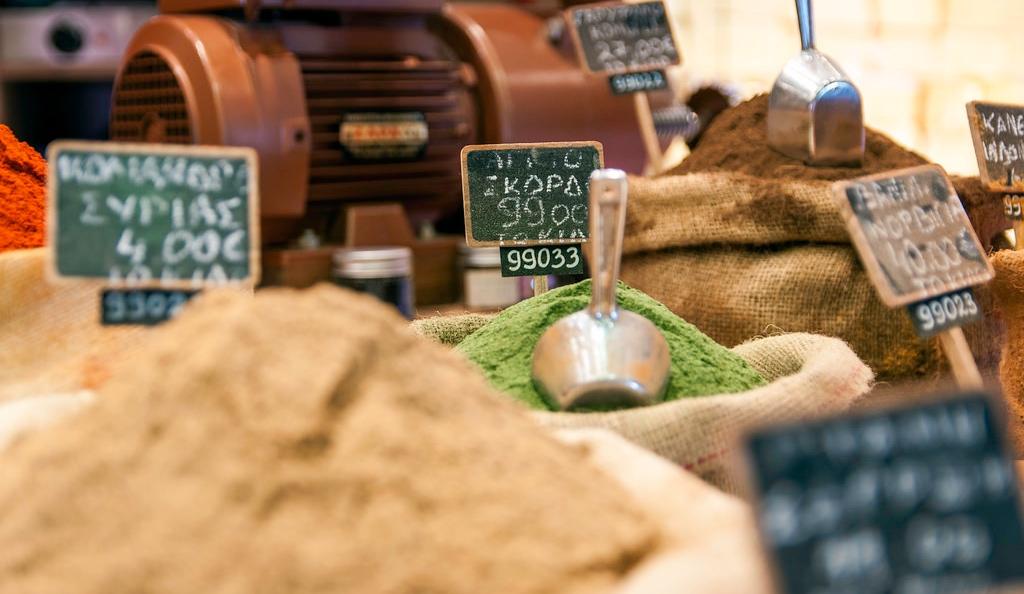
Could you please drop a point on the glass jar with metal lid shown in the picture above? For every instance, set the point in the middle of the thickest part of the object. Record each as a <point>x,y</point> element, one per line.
<point>483,287</point>
<point>384,272</point>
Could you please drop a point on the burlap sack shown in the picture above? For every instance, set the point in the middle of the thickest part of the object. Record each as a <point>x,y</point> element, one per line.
<point>51,340</point>
<point>699,525</point>
<point>808,376</point>
<point>739,257</point>
<point>1008,287</point>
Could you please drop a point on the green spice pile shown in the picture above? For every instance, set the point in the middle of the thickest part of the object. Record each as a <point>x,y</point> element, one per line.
<point>503,349</point>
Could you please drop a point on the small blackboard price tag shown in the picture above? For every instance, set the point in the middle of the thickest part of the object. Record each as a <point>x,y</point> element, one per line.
<point>615,37</point>
<point>152,215</point>
<point>638,82</point>
<point>912,234</point>
<point>941,313</point>
<point>998,133</point>
<point>146,307</point>
<point>1012,207</point>
<point>921,499</point>
<point>528,194</point>
<point>542,260</point>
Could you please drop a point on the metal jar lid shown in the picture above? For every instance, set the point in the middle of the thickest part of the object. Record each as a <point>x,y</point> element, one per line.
<point>480,257</point>
<point>372,262</point>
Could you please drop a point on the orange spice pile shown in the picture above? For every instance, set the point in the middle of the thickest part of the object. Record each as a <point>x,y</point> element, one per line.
<point>22,194</point>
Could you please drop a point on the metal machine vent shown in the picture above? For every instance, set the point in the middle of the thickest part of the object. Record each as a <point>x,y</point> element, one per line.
<point>336,87</point>
<point>148,103</point>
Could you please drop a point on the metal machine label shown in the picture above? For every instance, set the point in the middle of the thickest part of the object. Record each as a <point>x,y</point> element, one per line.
<point>374,136</point>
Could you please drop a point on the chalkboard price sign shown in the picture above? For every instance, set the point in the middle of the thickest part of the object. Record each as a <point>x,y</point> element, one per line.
<point>638,82</point>
<point>615,37</point>
<point>938,314</point>
<point>528,194</point>
<point>542,260</point>
<point>921,499</point>
<point>148,215</point>
<point>998,134</point>
<point>1012,207</point>
<point>146,307</point>
<point>912,234</point>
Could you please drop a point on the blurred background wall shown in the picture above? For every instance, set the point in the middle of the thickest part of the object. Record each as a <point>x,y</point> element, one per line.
<point>916,62</point>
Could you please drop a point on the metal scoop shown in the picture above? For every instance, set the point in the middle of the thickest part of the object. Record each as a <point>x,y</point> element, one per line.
<point>603,356</point>
<point>814,111</point>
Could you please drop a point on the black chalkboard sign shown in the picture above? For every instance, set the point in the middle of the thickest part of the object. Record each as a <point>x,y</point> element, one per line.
<point>153,215</point>
<point>616,37</point>
<point>637,82</point>
<point>998,134</point>
<point>918,499</point>
<point>912,234</point>
<point>528,194</point>
<point>938,314</point>
<point>542,260</point>
<point>1013,207</point>
<point>144,307</point>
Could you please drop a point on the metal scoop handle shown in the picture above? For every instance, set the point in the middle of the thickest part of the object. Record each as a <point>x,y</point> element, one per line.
<point>806,20</point>
<point>608,190</point>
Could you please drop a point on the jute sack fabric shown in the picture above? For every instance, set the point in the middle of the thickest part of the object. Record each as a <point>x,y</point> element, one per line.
<point>809,376</point>
<point>700,526</point>
<point>1008,287</point>
<point>740,256</point>
<point>51,340</point>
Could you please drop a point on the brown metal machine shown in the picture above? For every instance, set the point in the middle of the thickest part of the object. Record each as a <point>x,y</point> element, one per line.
<point>284,76</point>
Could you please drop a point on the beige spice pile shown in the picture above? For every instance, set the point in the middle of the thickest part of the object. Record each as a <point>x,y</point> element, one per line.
<point>306,442</point>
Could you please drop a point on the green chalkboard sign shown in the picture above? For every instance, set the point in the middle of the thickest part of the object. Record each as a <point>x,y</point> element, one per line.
<point>153,215</point>
<point>528,194</point>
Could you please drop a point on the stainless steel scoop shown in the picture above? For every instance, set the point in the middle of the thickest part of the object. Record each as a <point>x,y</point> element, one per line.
<point>814,111</point>
<point>603,356</point>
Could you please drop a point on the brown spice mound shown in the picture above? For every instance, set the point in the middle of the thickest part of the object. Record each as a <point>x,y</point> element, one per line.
<point>737,141</point>
<point>985,209</point>
<point>306,442</point>
<point>22,193</point>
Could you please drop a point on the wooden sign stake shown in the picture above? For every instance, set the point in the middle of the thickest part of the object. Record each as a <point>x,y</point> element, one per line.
<point>1018,235</point>
<point>540,285</point>
<point>647,130</point>
<point>961,361</point>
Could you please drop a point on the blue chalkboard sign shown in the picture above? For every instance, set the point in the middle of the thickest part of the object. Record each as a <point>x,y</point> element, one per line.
<point>153,215</point>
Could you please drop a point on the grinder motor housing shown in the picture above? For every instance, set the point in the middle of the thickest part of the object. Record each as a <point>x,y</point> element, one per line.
<point>292,78</point>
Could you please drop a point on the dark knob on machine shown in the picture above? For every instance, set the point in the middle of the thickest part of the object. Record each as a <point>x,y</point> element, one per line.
<point>66,38</point>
